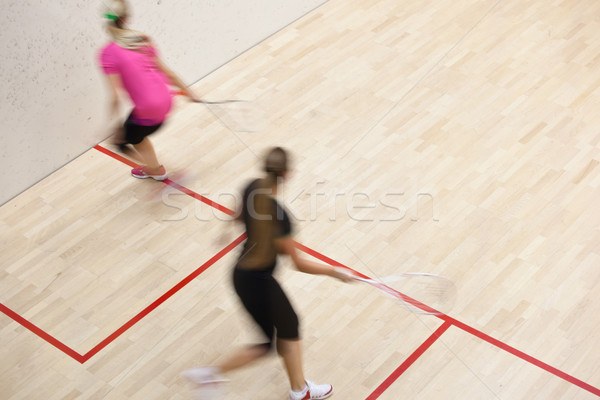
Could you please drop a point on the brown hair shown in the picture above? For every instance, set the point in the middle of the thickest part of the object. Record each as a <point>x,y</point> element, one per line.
<point>276,162</point>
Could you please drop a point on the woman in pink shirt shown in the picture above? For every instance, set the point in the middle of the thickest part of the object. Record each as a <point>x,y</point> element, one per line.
<point>130,62</point>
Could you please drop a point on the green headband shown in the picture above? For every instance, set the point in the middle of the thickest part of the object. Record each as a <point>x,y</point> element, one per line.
<point>111,16</point>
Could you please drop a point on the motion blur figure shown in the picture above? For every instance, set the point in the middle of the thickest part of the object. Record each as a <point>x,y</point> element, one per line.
<point>131,62</point>
<point>269,233</point>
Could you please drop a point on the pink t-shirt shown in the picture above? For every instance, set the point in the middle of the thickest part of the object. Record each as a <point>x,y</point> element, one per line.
<point>148,87</point>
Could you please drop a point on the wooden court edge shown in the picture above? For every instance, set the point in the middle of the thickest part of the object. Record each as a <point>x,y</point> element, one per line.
<point>448,321</point>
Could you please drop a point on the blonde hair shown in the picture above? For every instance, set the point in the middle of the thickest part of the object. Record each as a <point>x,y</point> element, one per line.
<point>115,12</point>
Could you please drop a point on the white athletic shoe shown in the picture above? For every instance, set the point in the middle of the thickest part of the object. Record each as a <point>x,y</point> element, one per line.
<point>206,382</point>
<point>312,392</point>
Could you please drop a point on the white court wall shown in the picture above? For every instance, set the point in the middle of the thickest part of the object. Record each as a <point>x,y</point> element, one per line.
<point>54,99</point>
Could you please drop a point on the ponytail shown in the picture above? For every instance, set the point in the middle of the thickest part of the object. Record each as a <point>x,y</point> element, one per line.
<point>115,11</point>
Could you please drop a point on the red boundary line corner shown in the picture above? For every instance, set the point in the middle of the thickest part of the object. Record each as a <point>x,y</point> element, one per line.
<point>126,326</point>
<point>448,321</point>
<point>409,361</point>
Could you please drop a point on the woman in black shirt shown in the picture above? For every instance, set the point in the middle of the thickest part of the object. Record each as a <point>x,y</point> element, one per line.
<point>269,233</point>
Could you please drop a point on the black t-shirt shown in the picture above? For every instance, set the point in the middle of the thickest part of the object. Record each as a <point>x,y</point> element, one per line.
<point>265,220</point>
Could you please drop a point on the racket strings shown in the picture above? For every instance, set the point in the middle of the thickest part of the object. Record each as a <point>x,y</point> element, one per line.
<point>421,293</point>
<point>241,116</point>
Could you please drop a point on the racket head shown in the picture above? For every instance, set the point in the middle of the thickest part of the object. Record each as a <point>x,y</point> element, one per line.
<point>419,292</point>
<point>238,115</point>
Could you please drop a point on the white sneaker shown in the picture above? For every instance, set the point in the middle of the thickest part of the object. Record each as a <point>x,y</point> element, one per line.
<point>312,392</point>
<point>207,383</point>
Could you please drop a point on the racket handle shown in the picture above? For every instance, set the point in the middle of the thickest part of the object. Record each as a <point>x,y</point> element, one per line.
<point>182,93</point>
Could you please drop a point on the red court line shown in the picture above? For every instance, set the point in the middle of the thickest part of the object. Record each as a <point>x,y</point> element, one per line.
<point>521,355</point>
<point>406,299</point>
<point>163,298</point>
<point>448,320</point>
<point>481,335</point>
<point>197,196</point>
<point>169,182</point>
<point>115,156</point>
<point>47,337</point>
<point>83,358</point>
<point>409,361</point>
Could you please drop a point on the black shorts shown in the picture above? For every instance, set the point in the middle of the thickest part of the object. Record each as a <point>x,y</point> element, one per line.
<point>266,302</point>
<point>135,133</point>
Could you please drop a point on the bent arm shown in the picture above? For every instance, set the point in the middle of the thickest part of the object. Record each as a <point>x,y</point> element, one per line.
<point>174,79</point>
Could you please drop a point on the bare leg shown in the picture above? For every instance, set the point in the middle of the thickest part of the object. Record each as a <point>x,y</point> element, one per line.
<point>133,155</point>
<point>291,352</point>
<point>243,357</point>
<point>146,151</point>
<point>118,139</point>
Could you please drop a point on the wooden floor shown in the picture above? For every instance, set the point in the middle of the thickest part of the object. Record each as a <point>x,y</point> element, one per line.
<point>457,137</point>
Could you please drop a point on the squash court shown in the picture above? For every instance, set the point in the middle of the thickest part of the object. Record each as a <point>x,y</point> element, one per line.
<point>458,138</point>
